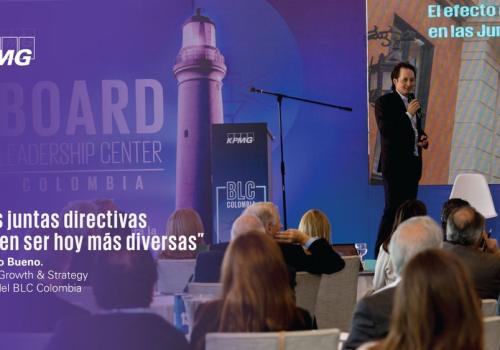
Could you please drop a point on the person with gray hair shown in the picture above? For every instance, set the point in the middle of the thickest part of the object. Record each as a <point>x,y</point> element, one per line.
<point>208,264</point>
<point>480,254</point>
<point>246,223</point>
<point>411,237</point>
<point>372,317</point>
<point>302,252</point>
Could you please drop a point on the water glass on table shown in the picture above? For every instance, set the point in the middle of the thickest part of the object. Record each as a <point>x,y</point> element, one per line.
<point>362,249</point>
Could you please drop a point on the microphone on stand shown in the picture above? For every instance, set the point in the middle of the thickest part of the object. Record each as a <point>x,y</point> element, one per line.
<point>253,89</point>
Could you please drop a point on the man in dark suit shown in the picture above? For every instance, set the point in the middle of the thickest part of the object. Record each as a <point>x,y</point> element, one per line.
<point>402,140</point>
<point>302,252</point>
<point>480,254</point>
<point>123,285</point>
<point>372,316</point>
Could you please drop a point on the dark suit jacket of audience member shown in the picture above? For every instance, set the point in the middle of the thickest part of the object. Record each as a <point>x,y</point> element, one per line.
<point>117,331</point>
<point>323,259</point>
<point>484,269</point>
<point>208,268</point>
<point>35,313</point>
<point>372,318</point>
<point>207,320</point>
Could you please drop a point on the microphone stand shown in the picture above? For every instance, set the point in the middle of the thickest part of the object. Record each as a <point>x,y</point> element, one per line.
<point>279,100</point>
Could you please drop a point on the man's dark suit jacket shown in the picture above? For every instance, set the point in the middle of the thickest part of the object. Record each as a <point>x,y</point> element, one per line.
<point>397,139</point>
<point>484,269</point>
<point>117,331</point>
<point>323,259</point>
<point>372,318</point>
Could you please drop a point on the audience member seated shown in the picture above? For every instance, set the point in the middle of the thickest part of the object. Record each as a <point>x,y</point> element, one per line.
<point>372,315</point>
<point>435,307</point>
<point>208,264</point>
<point>256,296</point>
<point>480,254</point>
<point>321,258</point>
<point>184,222</point>
<point>384,274</point>
<point>448,206</point>
<point>316,224</point>
<point>123,284</point>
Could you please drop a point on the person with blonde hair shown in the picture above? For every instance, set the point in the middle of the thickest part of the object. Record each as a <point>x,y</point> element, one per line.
<point>301,251</point>
<point>316,224</point>
<point>436,307</point>
<point>256,295</point>
<point>184,222</point>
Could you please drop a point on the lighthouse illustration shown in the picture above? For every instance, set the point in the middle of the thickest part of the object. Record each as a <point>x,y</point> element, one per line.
<point>199,70</point>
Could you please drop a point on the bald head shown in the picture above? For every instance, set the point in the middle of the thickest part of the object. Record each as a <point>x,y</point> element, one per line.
<point>246,223</point>
<point>464,226</point>
<point>411,237</point>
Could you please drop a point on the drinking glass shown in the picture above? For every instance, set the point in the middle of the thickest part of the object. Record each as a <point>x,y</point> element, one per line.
<point>362,249</point>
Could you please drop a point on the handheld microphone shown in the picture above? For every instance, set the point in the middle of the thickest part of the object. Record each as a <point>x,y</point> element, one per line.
<point>411,97</point>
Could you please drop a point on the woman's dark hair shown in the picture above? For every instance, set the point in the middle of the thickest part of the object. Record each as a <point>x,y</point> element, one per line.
<point>256,294</point>
<point>409,209</point>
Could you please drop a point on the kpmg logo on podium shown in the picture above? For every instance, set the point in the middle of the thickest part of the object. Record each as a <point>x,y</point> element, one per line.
<point>17,50</point>
<point>240,138</point>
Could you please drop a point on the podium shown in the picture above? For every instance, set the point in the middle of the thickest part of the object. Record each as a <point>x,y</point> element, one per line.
<point>241,172</point>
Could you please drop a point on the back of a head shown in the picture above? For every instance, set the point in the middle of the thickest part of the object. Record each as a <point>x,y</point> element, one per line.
<point>246,223</point>
<point>464,226</point>
<point>316,224</point>
<point>411,237</point>
<point>184,222</point>
<point>256,292</point>
<point>408,209</point>
<point>267,212</point>
<point>436,306</point>
<point>448,206</point>
<point>124,279</point>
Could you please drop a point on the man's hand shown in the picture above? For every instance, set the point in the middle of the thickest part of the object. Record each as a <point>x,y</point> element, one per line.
<point>413,107</point>
<point>423,142</point>
<point>291,236</point>
<point>491,244</point>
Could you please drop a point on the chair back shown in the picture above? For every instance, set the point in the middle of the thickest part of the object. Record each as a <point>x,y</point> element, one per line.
<point>491,333</point>
<point>337,296</point>
<point>474,189</point>
<point>174,274</point>
<point>214,289</point>
<point>325,339</point>
<point>306,291</point>
<point>489,307</point>
<point>23,341</point>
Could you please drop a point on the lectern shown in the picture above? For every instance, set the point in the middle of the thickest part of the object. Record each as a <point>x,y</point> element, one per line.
<point>241,172</point>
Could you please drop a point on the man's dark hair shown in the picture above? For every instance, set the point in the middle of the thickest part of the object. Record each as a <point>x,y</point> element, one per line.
<point>465,225</point>
<point>448,206</point>
<point>124,279</point>
<point>397,70</point>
